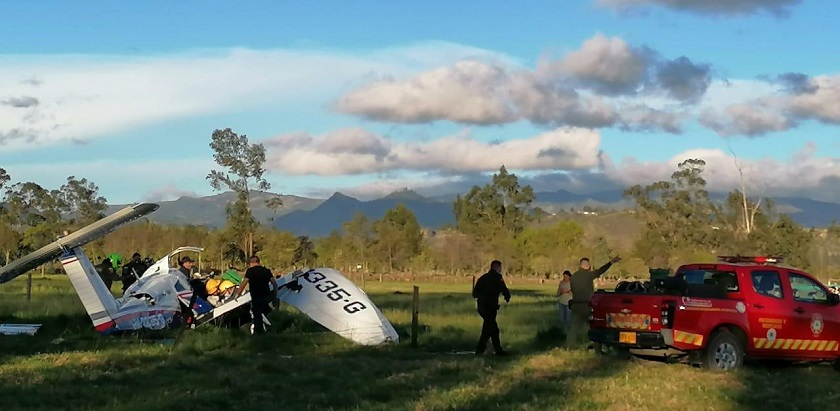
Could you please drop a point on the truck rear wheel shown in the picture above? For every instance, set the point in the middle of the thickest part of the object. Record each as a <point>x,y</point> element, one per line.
<point>723,353</point>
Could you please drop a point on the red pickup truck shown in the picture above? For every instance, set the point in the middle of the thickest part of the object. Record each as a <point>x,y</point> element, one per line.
<point>717,314</point>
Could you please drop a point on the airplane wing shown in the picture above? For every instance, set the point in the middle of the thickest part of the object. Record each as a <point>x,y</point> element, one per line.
<point>79,238</point>
<point>335,302</point>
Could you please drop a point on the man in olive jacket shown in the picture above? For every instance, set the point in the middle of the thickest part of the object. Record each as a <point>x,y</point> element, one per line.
<point>583,286</point>
<point>486,291</point>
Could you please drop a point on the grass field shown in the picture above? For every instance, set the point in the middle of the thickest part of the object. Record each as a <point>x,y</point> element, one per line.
<point>300,366</point>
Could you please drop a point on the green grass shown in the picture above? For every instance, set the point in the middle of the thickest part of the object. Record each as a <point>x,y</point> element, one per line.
<point>301,366</point>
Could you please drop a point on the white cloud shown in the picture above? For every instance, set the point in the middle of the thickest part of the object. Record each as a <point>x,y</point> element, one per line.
<point>357,151</point>
<point>608,64</point>
<point>804,171</point>
<point>77,97</point>
<point>781,109</point>
<point>578,90</point>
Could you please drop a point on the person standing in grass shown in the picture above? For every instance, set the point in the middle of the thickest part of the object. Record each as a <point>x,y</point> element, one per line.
<point>486,291</point>
<point>106,272</point>
<point>262,294</point>
<point>583,286</point>
<point>564,291</point>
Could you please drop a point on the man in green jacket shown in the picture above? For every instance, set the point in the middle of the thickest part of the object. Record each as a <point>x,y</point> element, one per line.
<point>583,286</point>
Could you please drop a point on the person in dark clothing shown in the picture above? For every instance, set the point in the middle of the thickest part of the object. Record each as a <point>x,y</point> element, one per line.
<point>133,270</point>
<point>185,266</point>
<point>486,292</point>
<point>259,278</point>
<point>106,272</point>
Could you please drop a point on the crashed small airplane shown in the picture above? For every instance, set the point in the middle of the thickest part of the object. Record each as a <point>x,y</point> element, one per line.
<point>163,298</point>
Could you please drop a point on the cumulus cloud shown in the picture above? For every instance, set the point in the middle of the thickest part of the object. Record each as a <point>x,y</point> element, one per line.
<point>88,96</point>
<point>800,98</point>
<point>577,90</point>
<point>607,65</point>
<point>755,119</point>
<point>803,175</point>
<point>467,92</point>
<point>708,7</point>
<point>358,151</point>
<point>683,80</point>
<point>804,172</point>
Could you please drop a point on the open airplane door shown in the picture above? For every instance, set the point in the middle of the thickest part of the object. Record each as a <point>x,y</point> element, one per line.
<point>335,302</point>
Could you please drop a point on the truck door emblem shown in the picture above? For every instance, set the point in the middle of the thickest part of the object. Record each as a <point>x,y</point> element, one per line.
<point>816,324</point>
<point>741,307</point>
<point>771,335</point>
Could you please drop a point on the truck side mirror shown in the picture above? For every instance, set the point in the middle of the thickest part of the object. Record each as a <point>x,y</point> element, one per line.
<point>833,299</point>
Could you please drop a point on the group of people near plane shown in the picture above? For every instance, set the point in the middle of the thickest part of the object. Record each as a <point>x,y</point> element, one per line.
<point>574,292</point>
<point>131,271</point>
<point>214,291</point>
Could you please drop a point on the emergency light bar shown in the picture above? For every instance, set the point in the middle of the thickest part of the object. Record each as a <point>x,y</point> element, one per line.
<point>755,260</point>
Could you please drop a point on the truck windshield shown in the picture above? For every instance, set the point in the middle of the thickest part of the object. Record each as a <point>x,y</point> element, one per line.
<point>718,277</point>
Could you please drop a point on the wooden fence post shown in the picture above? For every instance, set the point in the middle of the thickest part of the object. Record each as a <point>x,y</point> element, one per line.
<point>29,286</point>
<point>415,312</point>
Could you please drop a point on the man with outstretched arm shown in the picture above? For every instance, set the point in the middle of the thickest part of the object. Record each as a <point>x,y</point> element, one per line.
<point>486,291</point>
<point>262,294</point>
<point>583,286</point>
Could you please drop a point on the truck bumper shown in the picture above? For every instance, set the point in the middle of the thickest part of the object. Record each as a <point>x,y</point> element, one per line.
<point>644,339</point>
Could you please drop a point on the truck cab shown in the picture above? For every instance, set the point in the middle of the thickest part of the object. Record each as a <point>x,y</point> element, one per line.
<point>719,313</point>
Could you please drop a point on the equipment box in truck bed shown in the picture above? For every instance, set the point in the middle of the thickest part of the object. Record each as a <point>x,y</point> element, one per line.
<point>722,312</point>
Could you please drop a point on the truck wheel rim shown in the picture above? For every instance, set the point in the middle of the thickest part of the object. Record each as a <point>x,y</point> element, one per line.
<point>725,356</point>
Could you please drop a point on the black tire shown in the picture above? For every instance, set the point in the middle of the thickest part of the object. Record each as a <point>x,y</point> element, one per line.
<point>724,353</point>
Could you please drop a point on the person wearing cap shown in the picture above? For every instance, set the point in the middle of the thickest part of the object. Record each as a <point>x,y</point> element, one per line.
<point>133,270</point>
<point>564,292</point>
<point>185,266</point>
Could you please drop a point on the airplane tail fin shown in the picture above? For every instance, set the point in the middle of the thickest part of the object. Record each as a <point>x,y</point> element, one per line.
<point>98,301</point>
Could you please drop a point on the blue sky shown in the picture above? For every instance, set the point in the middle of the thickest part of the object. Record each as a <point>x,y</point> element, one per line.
<point>128,95</point>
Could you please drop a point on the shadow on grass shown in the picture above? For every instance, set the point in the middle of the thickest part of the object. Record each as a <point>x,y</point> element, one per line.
<point>298,365</point>
<point>787,386</point>
<point>549,388</point>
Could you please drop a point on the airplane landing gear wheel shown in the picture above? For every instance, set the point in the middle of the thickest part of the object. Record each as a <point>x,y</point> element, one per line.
<point>724,352</point>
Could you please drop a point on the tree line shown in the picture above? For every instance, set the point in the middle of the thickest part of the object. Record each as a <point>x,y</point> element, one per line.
<point>680,222</point>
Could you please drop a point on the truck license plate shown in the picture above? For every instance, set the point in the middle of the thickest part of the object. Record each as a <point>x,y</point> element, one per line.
<point>627,338</point>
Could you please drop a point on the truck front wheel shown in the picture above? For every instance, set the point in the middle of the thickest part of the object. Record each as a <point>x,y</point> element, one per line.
<point>723,353</point>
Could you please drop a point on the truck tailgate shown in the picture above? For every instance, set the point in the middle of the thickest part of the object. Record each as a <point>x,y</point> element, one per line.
<point>625,311</point>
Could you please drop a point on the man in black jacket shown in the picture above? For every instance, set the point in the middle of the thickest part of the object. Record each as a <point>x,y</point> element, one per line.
<point>486,291</point>
<point>133,270</point>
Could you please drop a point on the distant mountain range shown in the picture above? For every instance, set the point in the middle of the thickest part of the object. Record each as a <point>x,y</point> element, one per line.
<point>318,217</point>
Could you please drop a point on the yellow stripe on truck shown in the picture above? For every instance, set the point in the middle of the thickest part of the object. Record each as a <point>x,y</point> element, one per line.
<point>793,344</point>
<point>688,338</point>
